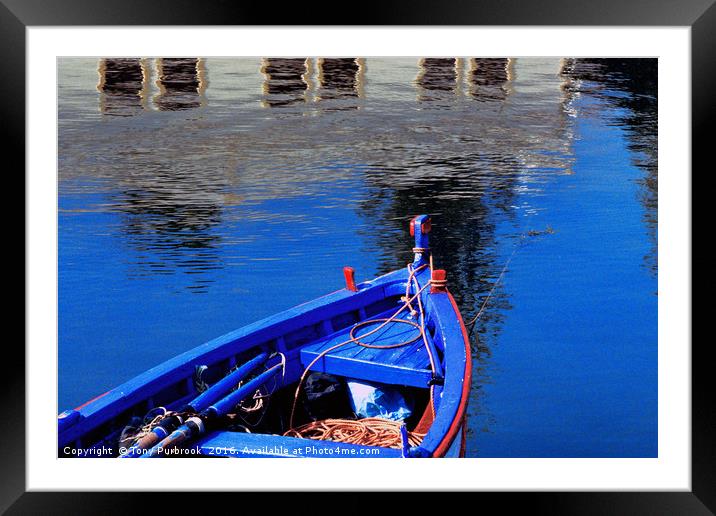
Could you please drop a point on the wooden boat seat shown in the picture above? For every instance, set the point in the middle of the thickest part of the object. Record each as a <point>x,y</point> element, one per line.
<point>406,365</point>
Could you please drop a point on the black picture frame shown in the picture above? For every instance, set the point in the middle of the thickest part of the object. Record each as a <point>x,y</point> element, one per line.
<point>700,15</point>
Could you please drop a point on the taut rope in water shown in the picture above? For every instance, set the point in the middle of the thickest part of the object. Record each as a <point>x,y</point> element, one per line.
<point>523,240</point>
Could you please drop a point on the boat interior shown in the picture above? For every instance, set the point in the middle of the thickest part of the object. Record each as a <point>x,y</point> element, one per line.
<point>339,348</point>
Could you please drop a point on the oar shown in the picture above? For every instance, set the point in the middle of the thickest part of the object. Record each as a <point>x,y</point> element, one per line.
<point>194,426</point>
<point>220,388</point>
<point>156,434</point>
<point>197,405</point>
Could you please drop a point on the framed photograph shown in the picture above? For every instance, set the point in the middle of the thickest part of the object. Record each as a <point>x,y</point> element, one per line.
<point>457,234</point>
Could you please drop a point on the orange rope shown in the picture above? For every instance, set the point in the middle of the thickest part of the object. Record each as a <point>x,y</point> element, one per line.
<point>371,431</point>
<point>354,338</point>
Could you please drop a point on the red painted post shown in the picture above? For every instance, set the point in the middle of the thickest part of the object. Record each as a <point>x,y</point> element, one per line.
<point>425,227</point>
<point>438,281</point>
<point>350,276</point>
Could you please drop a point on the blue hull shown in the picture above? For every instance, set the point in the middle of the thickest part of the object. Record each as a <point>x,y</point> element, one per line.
<point>299,337</point>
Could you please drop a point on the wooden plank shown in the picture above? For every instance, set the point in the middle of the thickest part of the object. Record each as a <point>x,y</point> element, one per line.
<point>370,371</point>
<point>373,364</point>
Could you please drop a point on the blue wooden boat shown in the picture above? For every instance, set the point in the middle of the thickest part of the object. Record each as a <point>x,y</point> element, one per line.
<point>246,393</point>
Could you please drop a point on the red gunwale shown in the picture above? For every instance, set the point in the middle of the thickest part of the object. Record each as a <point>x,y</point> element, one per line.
<point>461,415</point>
<point>90,401</point>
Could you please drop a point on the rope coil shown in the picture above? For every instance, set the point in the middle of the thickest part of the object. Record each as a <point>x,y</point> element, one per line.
<point>355,339</point>
<point>371,431</point>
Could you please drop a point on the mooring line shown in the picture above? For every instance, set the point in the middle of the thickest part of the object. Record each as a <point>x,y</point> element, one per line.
<point>523,240</point>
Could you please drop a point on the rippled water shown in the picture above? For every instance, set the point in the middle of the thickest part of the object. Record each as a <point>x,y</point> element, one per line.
<point>197,195</point>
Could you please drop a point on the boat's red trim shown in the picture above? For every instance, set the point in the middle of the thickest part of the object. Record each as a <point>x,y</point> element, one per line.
<point>460,416</point>
<point>90,401</point>
<point>463,436</point>
<point>426,421</point>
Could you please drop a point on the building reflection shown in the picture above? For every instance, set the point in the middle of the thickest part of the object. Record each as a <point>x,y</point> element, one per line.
<point>129,86</point>
<point>285,81</point>
<point>468,190</point>
<point>166,203</point>
<point>170,238</point>
<point>122,86</point>
<point>489,78</point>
<point>181,83</point>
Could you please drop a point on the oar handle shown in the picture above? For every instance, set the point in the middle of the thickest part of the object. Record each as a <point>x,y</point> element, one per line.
<point>157,433</point>
<point>194,426</point>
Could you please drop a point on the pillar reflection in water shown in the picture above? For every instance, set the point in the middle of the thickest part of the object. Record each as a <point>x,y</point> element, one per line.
<point>488,78</point>
<point>181,83</point>
<point>285,81</point>
<point>122,86</point>
<point>437,78</point>
<point>340,81</point>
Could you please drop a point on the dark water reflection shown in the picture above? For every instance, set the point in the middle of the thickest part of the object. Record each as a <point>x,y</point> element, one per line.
<point>631,86</point>
<point>197,195</point>
<point>171,230</point>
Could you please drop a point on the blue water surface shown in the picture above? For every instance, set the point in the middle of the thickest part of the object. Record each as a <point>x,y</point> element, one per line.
<point>573,373</point>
